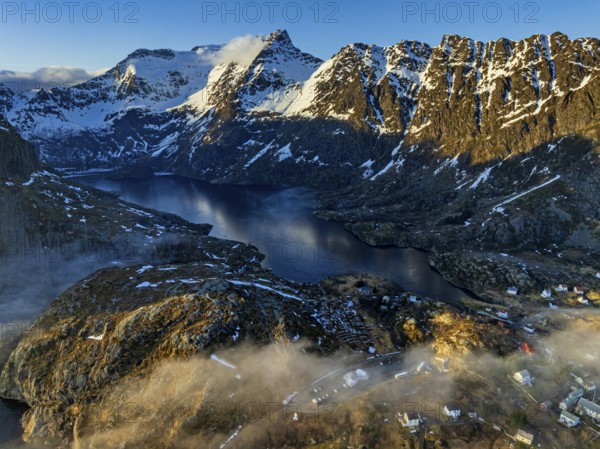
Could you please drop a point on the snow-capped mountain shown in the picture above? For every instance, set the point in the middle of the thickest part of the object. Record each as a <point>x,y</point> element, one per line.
<point>285,116</point>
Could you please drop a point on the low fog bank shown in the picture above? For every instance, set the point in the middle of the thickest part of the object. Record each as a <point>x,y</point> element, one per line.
<point>239,396</point>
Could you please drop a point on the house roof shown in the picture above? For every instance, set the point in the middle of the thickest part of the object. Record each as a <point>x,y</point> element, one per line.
<point>570,416</point>
<point>452,408</point>
<point>526,435</point>
<point>524,373</point>
<point>411,416</point>
<point>589,405</point>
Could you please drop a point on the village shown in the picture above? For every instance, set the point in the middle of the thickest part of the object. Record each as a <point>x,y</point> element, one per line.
<point>545,398</point>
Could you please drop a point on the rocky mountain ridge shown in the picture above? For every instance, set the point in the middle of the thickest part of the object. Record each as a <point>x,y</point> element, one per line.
<point>191,113</point>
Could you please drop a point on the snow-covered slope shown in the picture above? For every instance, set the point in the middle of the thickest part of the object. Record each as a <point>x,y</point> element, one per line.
<point>206,113</point>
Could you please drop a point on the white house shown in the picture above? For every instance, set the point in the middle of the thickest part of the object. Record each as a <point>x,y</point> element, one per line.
<point>523,377</point>
<point>502,314</point>
<point>410,420</point>
<point>452,411</point>
<point>589,408</point>
<point>586,384</point>
<point>568,402</point>
<point>578,290</point>
<point>524,437</point>
<point>514,291</point>
<point>547,293</point>
<point>569,419</point>
<point>562,288</point>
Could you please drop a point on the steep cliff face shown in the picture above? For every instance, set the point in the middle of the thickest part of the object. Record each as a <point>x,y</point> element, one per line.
<point>18,158</point>
<point>499,98</point>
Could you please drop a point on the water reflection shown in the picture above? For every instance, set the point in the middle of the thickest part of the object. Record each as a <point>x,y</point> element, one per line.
<point>297,245</point>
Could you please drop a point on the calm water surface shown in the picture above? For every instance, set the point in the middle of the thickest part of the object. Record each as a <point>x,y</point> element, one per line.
<point>280,222</point>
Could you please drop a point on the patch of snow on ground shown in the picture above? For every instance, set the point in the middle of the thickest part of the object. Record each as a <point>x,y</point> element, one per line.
<point>235,434</point>
<point>369,171</point>
<point>144,268</point>
<point>284,153</point>
<point>264,287</point>
<point>258,155</point>
<point>482,178</point>
<point>222,362</point>
<point>510,200</point>
<point>385,169</point>
<point>147,285</point>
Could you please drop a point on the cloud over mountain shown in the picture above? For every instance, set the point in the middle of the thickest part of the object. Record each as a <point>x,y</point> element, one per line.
<point>46,77</point>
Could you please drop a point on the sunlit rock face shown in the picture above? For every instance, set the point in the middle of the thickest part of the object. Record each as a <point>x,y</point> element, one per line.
<point>284,116</point>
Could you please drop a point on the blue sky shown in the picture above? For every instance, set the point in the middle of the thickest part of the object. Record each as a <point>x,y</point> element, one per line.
<point>61,35</point>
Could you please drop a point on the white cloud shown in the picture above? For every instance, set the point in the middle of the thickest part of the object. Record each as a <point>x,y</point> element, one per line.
<point>46,77</point>
<point>242,50</point>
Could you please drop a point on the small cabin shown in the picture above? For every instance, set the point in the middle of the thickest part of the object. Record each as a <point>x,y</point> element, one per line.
<point>364,290</point>
<point>524,437</point>
<point>452,411</point>
<point>547,293</point>
<point>513,291</point>
<point>502,314</point>
<point>568,402</point>
<point>578,291</point>
<point>569,419</point>
<point>562,288</point>
<point>523,377</point>
<point>411,420</point>
<point>589,408</point>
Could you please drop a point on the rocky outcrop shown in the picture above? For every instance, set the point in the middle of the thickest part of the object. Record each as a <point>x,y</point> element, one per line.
<point>18,158</point>
<point>542,199</point>
<point>121,324</point>
<point>504,97</point>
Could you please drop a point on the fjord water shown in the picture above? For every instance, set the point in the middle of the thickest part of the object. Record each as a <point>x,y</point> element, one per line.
<point>280,222</point>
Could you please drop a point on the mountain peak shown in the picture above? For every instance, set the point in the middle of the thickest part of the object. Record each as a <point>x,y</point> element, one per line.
<point>163,53</point>
<point>281,36</point>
